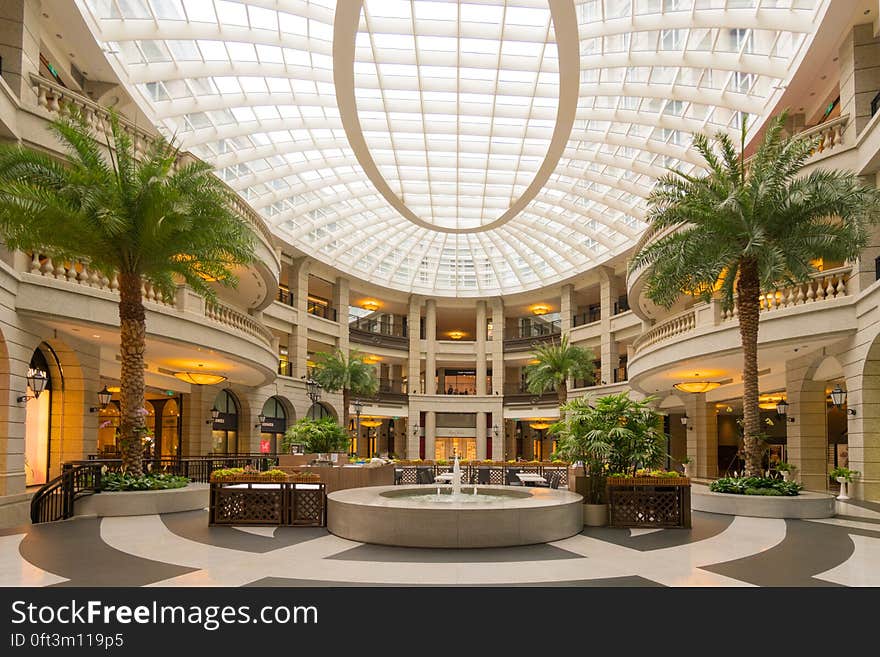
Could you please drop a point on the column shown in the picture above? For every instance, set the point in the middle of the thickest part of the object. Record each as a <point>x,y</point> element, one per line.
<point>430,434</point>
<point>807,436</point>
<point>497,346</point>
<point>430,347</point>
<point>299,347</point>
<point>608,349</point>
<point>859,60</point>
<point>481,435</point>
<point>414,364</point>
<point>481,349</point>
<point>20,45</point>
<point>498,437</point>
<point>340,302</point>
<point>565,318</point>
<point>702,435</point>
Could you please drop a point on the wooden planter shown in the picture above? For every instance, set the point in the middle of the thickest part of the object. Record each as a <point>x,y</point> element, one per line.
<point>286,505</point>
<point>249,479</point>
<point>653,502</point>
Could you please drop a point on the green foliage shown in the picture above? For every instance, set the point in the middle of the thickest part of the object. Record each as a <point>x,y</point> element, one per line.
<point>755,486</point>
<point>782,466</point>
<point>557,362</point>
<point>844,473</point>
<point>123,481</point>
<point>335,371</point>
<point>764,210</point>
<point>612,433</point>
<point>122,214</point>
<point>316,436</point>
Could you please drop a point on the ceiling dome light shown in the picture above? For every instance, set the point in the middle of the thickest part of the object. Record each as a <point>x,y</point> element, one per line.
<point>456,335</point>
<point>696,386</point>
<point>539,309</point>
<point>372,423</point>
<point>200,378</point>
<point>540,424</point>
<point>371,304</point>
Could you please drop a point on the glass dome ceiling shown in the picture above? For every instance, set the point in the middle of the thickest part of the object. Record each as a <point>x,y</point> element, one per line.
<point>452,148</point>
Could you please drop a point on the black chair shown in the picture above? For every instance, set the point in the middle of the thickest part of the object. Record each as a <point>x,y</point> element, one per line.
<point>484,476</point>
<point>425,476</point>
<point>510,477</point>
<point>398,476</point>
<point>554,480</point>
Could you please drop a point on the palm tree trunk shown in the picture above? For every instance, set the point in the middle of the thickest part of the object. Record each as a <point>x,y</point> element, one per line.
<point>133,334</point>
<point>561,395</point>
<point>748,289</point>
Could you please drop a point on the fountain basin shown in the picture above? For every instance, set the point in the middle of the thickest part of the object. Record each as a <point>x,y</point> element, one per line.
<point>404,516</point>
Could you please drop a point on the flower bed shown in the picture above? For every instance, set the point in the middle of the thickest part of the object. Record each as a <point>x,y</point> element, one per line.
<point>121,481</point>
<point>247,475</point>
<point>755,486</point>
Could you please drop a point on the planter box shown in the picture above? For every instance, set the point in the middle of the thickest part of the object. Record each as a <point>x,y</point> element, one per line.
<point>653,502</point>
<point>286,504</point>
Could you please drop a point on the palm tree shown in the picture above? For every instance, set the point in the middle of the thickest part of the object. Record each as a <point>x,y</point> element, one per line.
<point>139,219</point>
<point>745,226</point>
<point>557,362</point>
<point>337,371</point>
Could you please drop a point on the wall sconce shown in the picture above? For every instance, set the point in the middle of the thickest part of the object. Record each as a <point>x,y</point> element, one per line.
<point>838,398</point>
<point>782,410</point>
<point>685,420</point>
<point>36,380</point>
<point>104,397</point>
<point>215,413</point>
<point>260,420</point>
<point>416,429</point>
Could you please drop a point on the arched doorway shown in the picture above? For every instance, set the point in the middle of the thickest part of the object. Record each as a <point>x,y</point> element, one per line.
<point>224,431</point>
<point>320,410</point>
<point>38,420</point>
<point>168,444</point>
<point>273,427</point>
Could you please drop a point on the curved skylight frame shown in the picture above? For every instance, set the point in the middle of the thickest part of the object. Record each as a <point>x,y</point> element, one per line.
<point>253,92</point>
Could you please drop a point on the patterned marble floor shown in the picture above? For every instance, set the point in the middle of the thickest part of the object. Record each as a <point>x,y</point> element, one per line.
<point>181,550</point>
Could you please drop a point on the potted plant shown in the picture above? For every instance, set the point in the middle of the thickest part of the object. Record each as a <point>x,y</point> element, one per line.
<point>688,464</point>
<point>581,439</point>
<point>320,437</point>
<point>844,477</point>
<point>785,469</point>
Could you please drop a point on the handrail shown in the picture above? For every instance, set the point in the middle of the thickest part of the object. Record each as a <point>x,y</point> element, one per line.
<point>55,500</point>
<point>238,320</point>
<point>675,325</point>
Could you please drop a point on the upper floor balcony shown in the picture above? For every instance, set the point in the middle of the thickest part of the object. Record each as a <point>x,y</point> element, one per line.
<point>28,121</point>
<point>377,332</point>
<point>705,329</point>
<point>529,334</point>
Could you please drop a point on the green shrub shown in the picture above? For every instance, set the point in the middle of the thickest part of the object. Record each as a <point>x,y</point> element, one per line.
<point>755,486</point>
<point>122,481</point>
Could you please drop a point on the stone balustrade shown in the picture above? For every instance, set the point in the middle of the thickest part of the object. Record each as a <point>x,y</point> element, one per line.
<point>822,286</point>
<point>245,323</point>
<point>58,100</point>
<point>830,134</point>
<point>669,328</point>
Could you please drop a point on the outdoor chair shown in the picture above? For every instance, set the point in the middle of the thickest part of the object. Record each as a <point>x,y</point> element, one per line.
<point>554,480</point>
<point>425,476</point>
<point>510,477</point>
<point>398,476</point>
<point>484,476</point>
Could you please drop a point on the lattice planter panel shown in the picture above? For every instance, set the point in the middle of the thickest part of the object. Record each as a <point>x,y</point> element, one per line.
<point>641,504</point>
<point>284,504</point>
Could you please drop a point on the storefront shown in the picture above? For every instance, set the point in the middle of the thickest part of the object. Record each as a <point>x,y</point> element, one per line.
<point>273,424</point>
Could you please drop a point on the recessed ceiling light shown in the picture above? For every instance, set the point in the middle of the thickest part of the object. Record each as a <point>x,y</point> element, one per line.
<point>95,335</point>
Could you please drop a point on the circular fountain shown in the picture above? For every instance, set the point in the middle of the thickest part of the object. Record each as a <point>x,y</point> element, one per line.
<point>454,516</point>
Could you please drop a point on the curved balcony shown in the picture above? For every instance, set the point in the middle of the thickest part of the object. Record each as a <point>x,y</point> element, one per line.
<point>832,141</point>
<point>706,329</point>
<point>72,293</point>
<point>257,282</point>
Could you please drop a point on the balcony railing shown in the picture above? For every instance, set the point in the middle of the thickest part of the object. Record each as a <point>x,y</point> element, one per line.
<point>586,318</point>
<point>322,311</point>
<point>822,287</point>
<point>376,326</point>
<point>58,100</point>
<point>285,296</point>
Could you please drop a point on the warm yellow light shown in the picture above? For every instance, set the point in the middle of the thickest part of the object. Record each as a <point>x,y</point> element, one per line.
<point>456,335</point>
<point>696,386</point>
<point>114,389</point>
<point>371,422</point>
<point>371,304</point>
<point>534,361</point>
<point>540,424</point>
<point>539,309</point>
<point>371,359</point>
<point>200,378</point>
<point>769,402</point>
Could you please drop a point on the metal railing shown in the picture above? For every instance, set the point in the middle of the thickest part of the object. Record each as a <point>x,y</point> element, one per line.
<point>482,474</point>
<point>56,499</point>
<point>537,330</point>
<point>320,310</point>
<point>377,326</point>
<point>285,296</point>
